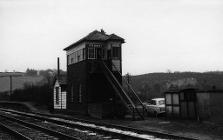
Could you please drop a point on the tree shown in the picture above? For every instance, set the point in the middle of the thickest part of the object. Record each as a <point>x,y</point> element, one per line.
<point>48,75</point>
<point>31,72</point>
<point>168,71</point>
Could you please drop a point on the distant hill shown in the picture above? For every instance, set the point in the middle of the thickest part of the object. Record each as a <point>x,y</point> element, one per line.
<point>154,84</point>
<point>147,85</point>
<point>10,73</point>
<point>30,77</point>
<point>18,82</point>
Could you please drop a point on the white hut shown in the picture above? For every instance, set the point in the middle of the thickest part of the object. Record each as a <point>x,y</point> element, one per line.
<point>60,94</point>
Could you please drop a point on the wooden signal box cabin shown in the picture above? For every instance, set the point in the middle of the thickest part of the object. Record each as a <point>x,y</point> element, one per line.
<point>90,63</point>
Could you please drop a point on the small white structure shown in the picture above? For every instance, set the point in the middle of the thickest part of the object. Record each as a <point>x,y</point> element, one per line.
<point>60,94</point>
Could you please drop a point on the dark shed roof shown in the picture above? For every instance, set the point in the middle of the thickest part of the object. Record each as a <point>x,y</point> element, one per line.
<point>62,79</point>
<point>185,90</point>
<point>96,36</point>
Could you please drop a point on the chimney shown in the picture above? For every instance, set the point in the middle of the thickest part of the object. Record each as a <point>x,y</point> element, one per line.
<point>58,68</point>
<point>102,31</point>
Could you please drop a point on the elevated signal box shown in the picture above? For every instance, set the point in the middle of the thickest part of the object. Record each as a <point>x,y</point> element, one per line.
<point>94,78</point>
<point>89,91</point>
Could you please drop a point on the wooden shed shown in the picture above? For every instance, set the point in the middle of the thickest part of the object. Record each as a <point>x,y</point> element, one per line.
<point>60,94</point>
<point>195,104</point>
<point>181,103</point>
<point>210,105</point>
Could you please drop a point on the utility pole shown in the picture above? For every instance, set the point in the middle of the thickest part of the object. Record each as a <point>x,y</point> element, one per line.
<point>128,81</point>
<point>58,78</point>
<point>128,78</point>
<point>58,68</point>
<point>11,75</point>
<point>10,80</point>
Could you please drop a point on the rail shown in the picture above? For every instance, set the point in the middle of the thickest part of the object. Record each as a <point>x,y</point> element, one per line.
<point>38,127</point>
<point>83,126</point>
<point>69,122</point>
<point>14,132</point>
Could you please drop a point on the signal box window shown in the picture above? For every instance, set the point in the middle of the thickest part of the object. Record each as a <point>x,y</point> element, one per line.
<point>91,53</point>
<point>83,53</point>
<point>116,52</point>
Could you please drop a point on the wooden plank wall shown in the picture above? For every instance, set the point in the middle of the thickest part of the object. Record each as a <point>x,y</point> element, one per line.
<point>62,104</point>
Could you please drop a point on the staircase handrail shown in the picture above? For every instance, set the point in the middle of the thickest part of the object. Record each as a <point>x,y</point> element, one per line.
<point>131,102</point>
<point>134,93</point>
<point>123,100</point>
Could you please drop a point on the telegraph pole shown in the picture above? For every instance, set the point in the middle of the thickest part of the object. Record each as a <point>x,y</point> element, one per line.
<point>128,81</point>
<point>128,78</point>
<point>10,80</point>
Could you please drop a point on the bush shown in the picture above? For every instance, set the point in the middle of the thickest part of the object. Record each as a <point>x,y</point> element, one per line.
<point>40,94</point>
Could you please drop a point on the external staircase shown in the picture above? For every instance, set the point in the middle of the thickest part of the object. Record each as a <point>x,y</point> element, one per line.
<point>127,95</point>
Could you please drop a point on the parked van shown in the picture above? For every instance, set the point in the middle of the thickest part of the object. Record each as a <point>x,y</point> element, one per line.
<point>155,106</point>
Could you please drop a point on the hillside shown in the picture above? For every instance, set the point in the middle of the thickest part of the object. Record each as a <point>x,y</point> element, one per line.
<point>154,84</point>
<point>18,82</point>
<point>147,85</point>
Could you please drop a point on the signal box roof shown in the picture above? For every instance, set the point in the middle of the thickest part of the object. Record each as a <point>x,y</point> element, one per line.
<point>96,36</point>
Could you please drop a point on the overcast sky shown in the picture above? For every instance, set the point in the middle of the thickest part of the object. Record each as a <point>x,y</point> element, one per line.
<point>180,35</point>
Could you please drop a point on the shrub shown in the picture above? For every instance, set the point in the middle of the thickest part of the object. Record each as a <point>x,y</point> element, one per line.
<point>40,94</point>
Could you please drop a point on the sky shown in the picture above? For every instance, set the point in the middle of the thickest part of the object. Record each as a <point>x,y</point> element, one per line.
<point>160,35</point>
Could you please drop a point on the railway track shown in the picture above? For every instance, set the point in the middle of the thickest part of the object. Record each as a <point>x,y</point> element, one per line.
<point>30,131</point>
<point>19,131</point>
<point>7,133</point>
<point>99,130</point>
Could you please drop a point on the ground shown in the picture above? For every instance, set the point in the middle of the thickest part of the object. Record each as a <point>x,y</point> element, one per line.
<point>201,130</point>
